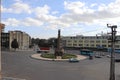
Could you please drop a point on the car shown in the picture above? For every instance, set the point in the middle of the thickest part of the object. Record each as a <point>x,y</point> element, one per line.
<point>117,60</point>
<point>109,56</point>
<point>38,51</point>
<point>97,56</point>
<point>73,60</point>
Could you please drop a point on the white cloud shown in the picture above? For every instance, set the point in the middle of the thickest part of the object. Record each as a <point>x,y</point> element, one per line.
<point>21,7</point>
<point>55,12</point>
<point>77,7</point>
<point>76,13</point>
<point>93,5</point>
<point>18,7</point>
<point>79,12</point>
<point>5,9</point>
<point>18,0</point>
<point>41,10</point>
<point>31,22</point>
<point>11,22</point>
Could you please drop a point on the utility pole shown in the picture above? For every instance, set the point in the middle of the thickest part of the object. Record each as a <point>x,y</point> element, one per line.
<point>112,61</point>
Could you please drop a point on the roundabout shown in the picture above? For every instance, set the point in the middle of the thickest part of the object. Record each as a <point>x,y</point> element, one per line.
<point>38,57</point>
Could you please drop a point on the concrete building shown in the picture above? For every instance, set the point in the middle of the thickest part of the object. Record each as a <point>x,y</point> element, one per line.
<point>89,41</point>
<point>5,40</point>
<point>26,41</point>
<point>23,39</point>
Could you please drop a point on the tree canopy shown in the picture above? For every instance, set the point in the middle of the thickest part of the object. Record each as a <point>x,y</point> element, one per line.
<point>14,44</point>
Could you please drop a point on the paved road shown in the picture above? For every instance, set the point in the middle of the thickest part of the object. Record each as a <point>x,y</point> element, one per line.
<point>20,65</point>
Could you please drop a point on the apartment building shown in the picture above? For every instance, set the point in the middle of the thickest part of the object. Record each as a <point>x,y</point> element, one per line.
<point>89,41</point>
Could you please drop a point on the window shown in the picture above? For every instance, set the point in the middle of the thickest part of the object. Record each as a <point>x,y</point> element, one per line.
<point>92,45</point>
<point>75,41</point>
<point>86,41</point>
<point>80,44</point>
<point>98,41</point>
<point>116,46</point>
<point>86,45</point>
<point>104,41</point>
<point>109,45</point>
<point>80,41</point>
<point>69,41</point>
<point>69,44</point>
<point>74,44</point>
<point>103,45</point>
<point>91,41</point>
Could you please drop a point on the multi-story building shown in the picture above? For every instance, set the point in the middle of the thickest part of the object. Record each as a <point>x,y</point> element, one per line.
<point>26,41</point>
<point>23,39</point>
<point>5,40</point>
<point>89,41</point>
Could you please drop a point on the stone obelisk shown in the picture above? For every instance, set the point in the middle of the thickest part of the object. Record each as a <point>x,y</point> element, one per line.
<point>58,50</point>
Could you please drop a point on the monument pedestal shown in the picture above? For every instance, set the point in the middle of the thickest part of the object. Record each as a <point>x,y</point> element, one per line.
<point>58,57</point>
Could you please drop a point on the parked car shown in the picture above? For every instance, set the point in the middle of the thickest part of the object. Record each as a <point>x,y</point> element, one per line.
<point>117,60</point>
<point>73,60</point>
<point>98,56</point>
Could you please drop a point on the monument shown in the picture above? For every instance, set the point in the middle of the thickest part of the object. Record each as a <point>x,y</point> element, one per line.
<point>59,50</point>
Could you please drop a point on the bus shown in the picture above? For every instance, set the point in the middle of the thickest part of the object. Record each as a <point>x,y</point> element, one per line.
<point>86,52</point>
<point>116,50</point>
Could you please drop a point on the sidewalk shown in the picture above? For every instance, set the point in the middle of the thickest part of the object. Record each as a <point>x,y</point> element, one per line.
<point>38,56</point>
<point>10,78</point>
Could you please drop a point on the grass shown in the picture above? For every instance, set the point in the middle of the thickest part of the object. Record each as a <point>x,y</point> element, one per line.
<point>65,56</point>
<point>48,56</point>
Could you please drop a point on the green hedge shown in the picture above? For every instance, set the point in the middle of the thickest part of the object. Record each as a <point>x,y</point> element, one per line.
<point>48,56</point>
<point>65,56</point>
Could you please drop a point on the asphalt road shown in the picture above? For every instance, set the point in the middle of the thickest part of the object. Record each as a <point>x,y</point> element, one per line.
<point>20,65</point>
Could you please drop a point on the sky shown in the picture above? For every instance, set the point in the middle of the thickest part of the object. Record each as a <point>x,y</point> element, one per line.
<point>43,18</point>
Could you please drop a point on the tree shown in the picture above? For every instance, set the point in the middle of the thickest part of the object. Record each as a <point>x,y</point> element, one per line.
<point>14,44</point>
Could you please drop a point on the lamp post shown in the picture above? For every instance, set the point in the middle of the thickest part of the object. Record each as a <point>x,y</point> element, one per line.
<point>112,61</point>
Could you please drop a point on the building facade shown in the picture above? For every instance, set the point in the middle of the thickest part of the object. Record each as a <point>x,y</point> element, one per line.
<point>89,41</point>
<point>5,40</point>
<point>23,39</point>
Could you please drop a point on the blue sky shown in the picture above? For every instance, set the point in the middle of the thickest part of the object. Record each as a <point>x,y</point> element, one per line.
<point>42,18</point>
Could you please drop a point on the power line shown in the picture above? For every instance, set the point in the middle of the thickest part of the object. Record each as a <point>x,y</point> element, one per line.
<point>88,31</point>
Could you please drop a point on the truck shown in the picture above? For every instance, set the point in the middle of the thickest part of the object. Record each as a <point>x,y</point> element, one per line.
<point>43,49</point>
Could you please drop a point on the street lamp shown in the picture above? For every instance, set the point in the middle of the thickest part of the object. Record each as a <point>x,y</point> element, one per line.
<point>112,62</point>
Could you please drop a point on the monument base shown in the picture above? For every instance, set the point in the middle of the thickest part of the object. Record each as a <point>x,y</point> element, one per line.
<point>58,57</point>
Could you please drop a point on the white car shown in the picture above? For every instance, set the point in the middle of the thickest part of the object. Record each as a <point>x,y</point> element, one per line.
<point>108,56</point>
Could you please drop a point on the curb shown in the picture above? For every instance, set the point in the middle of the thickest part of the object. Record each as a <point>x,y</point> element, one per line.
<point>11,78</point>
<point>46,59</point>
<point>37,57</point>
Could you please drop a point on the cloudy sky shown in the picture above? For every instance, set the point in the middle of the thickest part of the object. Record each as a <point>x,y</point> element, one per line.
<point>42,18</point>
